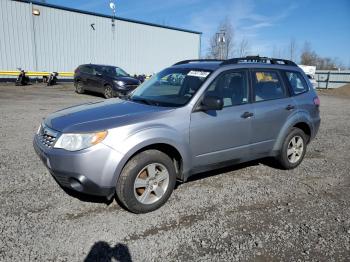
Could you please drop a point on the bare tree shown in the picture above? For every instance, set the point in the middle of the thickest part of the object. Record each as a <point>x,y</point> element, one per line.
<point>276,52</point>
<point>292,48</point>
<point>222,41</point>
<point>243,47</point>
<point>309,57</point>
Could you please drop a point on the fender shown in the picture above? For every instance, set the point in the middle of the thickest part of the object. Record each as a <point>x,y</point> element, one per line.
<point>298,117</point>
<point>158,134</point>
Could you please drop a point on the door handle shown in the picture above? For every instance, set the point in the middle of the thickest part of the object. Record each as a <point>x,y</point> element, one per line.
<point>247,114</point>
<point>290,107</point>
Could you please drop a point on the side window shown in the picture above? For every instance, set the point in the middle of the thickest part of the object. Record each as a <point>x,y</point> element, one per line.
<point>297,82</point>
<point>96,70</point>
<point>86,69</point>
<point>267,86</point>
<point>231,86</point>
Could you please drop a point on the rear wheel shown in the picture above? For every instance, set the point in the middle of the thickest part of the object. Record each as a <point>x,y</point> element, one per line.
<point>79,88</point>
<point>146,182</point>
<point>293,149</point>
<point>108,92</point>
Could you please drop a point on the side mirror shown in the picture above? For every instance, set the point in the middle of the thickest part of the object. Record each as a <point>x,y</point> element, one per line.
<point>211,103</point>
<point>98,74</point>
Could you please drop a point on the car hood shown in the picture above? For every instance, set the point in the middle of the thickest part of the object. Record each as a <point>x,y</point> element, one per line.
<point>102,115</point>
<point>128,80</point>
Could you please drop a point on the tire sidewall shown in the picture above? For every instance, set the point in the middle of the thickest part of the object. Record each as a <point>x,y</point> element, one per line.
<point>79,87</point>
<point>283,156</point>
<point>104,91</point>
<point>125,183</point>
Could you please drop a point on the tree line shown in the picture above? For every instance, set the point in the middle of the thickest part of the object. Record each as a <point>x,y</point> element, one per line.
<point>222,45</point>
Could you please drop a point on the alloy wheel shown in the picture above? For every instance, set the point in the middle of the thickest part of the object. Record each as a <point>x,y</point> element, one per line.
<point>295,149</point>
<point>151,183</point>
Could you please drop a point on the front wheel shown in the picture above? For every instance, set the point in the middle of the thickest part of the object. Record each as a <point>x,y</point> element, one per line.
<point>108,92</point>
<point>146,182</point>
<point>293,149</point>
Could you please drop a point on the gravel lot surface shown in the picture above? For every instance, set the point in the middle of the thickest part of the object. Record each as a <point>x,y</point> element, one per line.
<point>248,212</point>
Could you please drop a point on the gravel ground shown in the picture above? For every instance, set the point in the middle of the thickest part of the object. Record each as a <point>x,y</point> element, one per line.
<point>248,212</point>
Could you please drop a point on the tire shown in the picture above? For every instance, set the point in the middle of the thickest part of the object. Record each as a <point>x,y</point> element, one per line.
<point>151,191</point>
<point>293,149</point>
<point>79,87</point>
<point>108,92</point>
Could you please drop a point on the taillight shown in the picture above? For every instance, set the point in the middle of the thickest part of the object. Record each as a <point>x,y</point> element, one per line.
<point>317,101</point>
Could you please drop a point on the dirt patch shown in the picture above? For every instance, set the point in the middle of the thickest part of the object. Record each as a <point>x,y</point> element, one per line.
<point>343,91</point>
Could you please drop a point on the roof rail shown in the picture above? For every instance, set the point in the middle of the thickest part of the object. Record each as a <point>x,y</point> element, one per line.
<point>258,59</point>
<point>197,60</point>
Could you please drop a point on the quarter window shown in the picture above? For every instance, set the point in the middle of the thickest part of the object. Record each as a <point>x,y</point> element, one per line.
<point>86,69</point>
<point>231,86</point>
<point>267,86</point>
<point>297,82</point>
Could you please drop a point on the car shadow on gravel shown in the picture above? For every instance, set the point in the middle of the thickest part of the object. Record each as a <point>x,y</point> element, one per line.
<point>269,161</point>
<point>102,251</point>
<point>87,198</point>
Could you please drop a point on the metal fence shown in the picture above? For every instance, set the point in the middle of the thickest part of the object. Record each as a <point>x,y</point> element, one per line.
<point>332,79</point>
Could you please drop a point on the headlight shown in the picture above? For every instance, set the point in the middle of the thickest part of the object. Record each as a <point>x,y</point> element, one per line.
<point>120,83</point>
<point>75,142</point>
<point>39,130</point>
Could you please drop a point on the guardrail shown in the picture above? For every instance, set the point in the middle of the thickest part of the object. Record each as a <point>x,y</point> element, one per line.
<point>32,73</point>
<point>332,79</point>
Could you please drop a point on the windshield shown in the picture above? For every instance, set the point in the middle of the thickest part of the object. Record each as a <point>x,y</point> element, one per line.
<point>120,72</point>
<point>171,87</point>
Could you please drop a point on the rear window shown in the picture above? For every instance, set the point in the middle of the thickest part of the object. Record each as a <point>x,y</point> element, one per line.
<point>297,82</point>
<point>267,86</point>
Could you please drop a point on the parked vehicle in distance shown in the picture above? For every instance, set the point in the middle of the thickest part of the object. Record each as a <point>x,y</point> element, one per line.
<point>214,114</point>
<point>111,81</point>
<point>52,79</point>
<point>22,79</point>
<point>310,71</point>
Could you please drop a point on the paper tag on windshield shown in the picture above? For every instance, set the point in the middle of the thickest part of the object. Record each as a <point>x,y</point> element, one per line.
<point>198,73</point>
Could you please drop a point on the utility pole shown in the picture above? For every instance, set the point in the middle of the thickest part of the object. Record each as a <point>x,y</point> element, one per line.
<point>221,41</point>
<point>112,6</point>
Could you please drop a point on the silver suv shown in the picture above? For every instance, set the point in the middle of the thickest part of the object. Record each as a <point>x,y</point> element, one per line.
<point>194,116</point>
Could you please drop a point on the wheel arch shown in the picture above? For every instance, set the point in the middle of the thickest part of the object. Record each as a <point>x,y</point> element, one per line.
<point>300,121</point>
<point>305,128</point>
<point>179,156</point>
<point>167,149</point>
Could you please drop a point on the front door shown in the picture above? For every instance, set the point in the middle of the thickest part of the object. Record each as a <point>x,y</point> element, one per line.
<point>223,135</point>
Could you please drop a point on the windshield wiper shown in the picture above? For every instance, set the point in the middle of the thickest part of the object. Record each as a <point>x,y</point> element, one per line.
<point>142,100</point>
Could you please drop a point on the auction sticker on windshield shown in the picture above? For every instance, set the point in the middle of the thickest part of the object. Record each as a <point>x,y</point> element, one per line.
<point>198,73</point>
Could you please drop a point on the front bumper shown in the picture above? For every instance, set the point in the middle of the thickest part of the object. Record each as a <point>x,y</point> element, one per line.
<point>90,171</point>
<point>124,91</point>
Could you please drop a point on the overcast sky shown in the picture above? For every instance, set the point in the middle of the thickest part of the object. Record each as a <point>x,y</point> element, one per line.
<point>266,24</point>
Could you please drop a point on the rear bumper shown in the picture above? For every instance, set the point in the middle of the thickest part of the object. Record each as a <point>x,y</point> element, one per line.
<point>90,171</point>
<point>316,127</point>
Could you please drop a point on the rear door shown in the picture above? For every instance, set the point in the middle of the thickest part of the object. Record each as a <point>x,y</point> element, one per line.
<point>86,71</point>
<point>223,135</point>
<point>95,79</point>
<point>272,107</point>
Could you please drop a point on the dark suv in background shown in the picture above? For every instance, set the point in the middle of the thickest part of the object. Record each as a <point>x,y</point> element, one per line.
<point>111,81</point>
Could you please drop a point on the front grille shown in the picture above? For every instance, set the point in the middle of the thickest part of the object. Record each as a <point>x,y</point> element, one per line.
<point>47,136</point>
<point>62,180</point>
